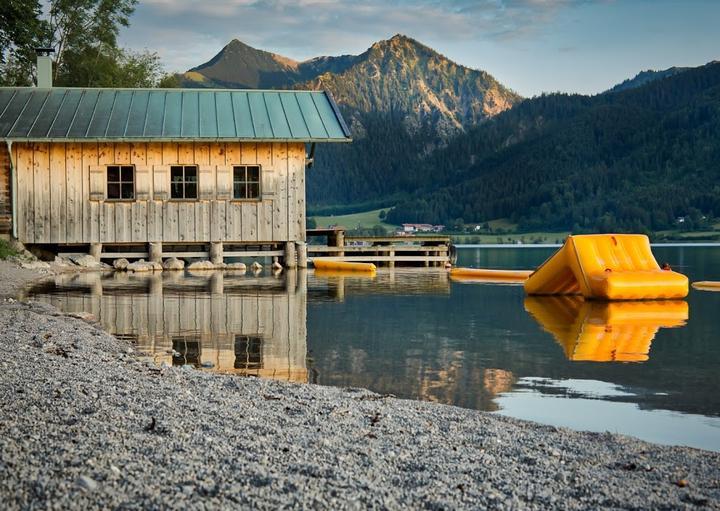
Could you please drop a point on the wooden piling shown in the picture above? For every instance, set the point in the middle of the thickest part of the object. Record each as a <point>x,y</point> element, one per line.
<point>301,249</point>
<point>96,250</point>
<point>155,251</point>
<point>290,255</point>
<point>216,252</point>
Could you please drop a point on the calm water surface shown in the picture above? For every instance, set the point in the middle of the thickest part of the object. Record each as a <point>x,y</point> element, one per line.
<point>644,369</point>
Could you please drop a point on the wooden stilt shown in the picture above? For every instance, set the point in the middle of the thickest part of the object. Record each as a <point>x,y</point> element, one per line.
<point>96,250</point>
<point>216,252</point>
<point>290,255</point>
<point>155,251</point>
<point>301,249</point>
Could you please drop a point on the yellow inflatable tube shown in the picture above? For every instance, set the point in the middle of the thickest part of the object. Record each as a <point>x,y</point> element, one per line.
<point>607,267</point>
<point>485,275</point>
<point>323,264</point>
<point>706,285</point>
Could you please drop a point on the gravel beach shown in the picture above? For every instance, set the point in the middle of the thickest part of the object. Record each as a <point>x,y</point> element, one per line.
<point>85,423</point>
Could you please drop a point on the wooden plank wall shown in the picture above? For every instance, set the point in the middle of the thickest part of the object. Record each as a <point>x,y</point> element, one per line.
<point>56,182</point>
<point>5,198</point>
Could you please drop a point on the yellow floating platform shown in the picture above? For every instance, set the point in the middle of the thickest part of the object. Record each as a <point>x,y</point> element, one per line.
<point>605,331</point>
<point>606,267</point>
<point>706,285</point>
<point>485,275</point>
<point>344,266</point>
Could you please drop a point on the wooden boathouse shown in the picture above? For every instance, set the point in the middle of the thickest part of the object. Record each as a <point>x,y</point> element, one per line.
<point>157,173</point>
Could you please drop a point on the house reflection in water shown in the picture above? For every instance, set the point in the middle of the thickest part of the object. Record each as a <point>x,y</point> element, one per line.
<point>213,321</point>
<point>605,331</point>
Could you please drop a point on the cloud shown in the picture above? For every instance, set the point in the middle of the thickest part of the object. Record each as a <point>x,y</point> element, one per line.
<point>186,32</point>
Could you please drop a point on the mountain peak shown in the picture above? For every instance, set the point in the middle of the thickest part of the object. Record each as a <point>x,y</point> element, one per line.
<point>402,38</point>
<point>398,76</point>
<point>240,65</point>
<point>399,41</point>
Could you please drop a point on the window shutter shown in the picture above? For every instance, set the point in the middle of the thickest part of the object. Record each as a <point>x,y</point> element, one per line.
<point>206,182</point>
<point>268,180</point>
<point>224,182</point>
<point>161,182</point>
<point>142,183</point>
<point>98,182</point>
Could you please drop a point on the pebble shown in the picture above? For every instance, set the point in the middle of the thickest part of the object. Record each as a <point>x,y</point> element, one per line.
<point>87,483</point>
<point>173,264</point>
<point>121,264</point>
<point>219,442</point>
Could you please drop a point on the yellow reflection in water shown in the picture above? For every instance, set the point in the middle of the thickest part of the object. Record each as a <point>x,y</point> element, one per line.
<point>605,331</point>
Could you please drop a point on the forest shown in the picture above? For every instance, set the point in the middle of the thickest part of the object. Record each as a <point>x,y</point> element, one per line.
<point>642,159</point>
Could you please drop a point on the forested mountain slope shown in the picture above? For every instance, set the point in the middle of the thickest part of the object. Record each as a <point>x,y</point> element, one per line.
<point>631,160</point>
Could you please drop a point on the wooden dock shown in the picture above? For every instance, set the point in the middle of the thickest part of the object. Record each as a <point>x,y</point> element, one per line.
<point>388,251</point>
<point>330,244</point>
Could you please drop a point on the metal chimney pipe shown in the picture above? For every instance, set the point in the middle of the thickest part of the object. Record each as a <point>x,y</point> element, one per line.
<point>44,67</point>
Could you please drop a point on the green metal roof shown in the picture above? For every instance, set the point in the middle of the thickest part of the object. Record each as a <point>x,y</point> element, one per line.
<point>63,114</point>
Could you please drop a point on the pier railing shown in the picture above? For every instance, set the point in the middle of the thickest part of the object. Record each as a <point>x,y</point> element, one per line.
<point>390,251</point>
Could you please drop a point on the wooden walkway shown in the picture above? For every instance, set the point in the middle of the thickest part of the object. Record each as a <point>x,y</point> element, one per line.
<point>389,251</point>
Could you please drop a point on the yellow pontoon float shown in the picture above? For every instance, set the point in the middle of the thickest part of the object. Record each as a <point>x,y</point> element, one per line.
<point>342,266</point>
<point>706,285</point>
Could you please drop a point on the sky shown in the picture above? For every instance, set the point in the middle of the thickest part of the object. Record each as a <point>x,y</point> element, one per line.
<point>531,46</point>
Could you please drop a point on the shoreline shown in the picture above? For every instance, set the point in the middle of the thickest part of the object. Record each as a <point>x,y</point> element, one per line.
<point>86,423</point>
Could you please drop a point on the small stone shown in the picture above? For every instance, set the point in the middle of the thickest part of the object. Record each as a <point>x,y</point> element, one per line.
<point>121,264</point>
<point>85,261</point>
<point>144,266</point>
<point>87,483</point>
<point>173,264</point>
<point>205,265</point>
<point>240,267</point>
<point>115,470</point>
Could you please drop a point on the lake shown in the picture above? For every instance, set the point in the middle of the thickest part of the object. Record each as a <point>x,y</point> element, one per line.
<point>647,369</point>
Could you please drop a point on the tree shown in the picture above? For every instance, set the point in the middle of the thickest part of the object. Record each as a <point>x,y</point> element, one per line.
<point>82,28</point>
<point>169,81</point>
<point>20,32</point>
<point>83,34</point>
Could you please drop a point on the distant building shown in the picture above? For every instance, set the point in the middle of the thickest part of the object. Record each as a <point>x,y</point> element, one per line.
<point>413,228</point>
